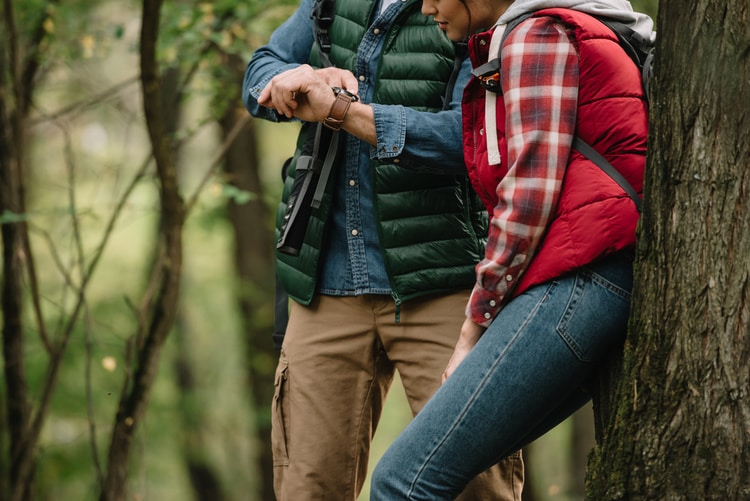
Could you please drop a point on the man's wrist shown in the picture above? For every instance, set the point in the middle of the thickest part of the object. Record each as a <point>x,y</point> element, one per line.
<point>339,108</point>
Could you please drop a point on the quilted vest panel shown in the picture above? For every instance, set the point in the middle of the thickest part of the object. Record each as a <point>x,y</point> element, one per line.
<point>431,228</point>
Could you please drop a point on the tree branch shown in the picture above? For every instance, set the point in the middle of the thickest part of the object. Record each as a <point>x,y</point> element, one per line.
<point>133,401</point>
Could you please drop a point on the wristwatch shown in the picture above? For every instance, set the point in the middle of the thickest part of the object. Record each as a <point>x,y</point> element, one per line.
<point>340,106</point>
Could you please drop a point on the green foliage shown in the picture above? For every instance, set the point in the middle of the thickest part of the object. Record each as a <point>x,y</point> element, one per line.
<point>229,27</point>
<point>71,30</point>
<point>11,217</point>
<point>214,38</point>
<point>648,6</point>
<point>86,145</point>
<point>237,195</point>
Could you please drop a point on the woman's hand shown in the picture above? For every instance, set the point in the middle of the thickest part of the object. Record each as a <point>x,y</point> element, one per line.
<point>306,93</point>
<point>470,334</point>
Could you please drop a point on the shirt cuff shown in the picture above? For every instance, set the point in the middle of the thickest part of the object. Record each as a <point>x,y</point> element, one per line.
<point>483,306</point>
<point>390,130</point>
<point>255,90</point>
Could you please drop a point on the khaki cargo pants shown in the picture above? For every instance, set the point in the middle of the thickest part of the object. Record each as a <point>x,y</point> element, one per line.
<point>336,366</point>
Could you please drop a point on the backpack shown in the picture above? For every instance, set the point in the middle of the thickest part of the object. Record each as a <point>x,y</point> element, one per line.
<point>640,50</point>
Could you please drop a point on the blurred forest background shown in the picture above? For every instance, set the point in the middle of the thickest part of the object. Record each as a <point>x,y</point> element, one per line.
<point>137,258</point>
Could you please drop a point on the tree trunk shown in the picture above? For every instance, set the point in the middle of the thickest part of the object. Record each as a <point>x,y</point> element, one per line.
<point>17,407</point>
<point>680,414</point>
<point>161,314</point>
<point>582,441</point>
<point>255,264</point>
<point>19,60</point>
<point>203,475</point>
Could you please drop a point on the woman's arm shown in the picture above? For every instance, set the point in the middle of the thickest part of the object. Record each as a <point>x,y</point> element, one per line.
<point>540,88</point>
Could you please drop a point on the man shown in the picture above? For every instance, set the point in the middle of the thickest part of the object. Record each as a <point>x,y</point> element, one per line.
<point>382,277</point>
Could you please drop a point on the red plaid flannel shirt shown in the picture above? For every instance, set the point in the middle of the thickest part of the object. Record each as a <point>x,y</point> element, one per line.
<point>540,88</point>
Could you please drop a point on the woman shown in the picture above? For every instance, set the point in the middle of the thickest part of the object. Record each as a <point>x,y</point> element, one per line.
<point>552,294</point>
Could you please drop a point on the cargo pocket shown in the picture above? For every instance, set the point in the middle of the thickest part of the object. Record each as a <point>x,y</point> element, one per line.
<point>279,414</point>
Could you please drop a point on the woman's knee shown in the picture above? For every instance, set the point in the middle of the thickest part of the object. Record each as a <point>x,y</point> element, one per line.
<point>380,489</point>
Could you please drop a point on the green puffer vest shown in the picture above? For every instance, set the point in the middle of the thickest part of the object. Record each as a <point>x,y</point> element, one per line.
<point>432,227</point>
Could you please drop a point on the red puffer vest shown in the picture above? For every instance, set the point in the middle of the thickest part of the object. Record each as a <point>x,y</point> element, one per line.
<point>595,217</point>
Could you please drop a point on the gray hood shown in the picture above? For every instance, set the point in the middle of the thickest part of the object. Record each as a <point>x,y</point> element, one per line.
<point>620,10</point>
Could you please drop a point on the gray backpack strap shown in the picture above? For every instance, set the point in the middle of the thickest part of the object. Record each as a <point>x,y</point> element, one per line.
<point>634,45</point>
<point>460,53</point>
<point>589,152</point>
<point>322,15</point>
<point>638,48</point>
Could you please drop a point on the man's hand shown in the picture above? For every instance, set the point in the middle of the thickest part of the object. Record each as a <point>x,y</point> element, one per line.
<point>470,334</point>
<point>306,93</point>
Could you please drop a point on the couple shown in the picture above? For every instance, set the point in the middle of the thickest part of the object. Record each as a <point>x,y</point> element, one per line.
<point>390,257</point>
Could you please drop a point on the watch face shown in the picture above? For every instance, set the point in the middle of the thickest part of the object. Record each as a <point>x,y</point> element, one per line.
<point>339,90</point>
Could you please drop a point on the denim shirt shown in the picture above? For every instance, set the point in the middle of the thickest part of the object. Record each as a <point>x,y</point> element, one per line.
<point>352,261</point>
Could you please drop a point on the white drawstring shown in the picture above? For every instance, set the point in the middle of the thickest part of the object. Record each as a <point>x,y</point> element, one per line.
<point>490,103</point>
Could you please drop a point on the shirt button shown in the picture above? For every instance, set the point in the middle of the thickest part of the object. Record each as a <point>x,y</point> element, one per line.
<point>396,160</point>
<point>376,31</point>
<point>361,78</point>
<point>394,148</point>
<point>487,316</point>
<point>508,278</point>
<point>352,182</point>
<point>355,233</point>
<point>481,132</point>
<point>493,303</point>
<point>483,42</point>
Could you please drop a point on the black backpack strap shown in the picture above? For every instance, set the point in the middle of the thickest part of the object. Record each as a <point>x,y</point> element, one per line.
<point>281,315</point>
<point>489,73</point>
<point>322,16</point>
<point>589,152</point>
<point>511,26</point>
<point>634,44</point>
<point>460,50</point>
<point>636,47</point>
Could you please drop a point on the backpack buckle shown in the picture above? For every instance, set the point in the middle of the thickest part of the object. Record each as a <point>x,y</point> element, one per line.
<point>491,82</point>
<point>489,75</point>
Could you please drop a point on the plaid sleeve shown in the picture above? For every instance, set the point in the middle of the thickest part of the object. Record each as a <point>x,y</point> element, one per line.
<point>540,87</point>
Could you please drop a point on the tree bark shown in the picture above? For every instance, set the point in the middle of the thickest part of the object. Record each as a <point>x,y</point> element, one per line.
<point>255,281</point>
<point>19,60</point>
<point>582,441</point>
<point>204,476</point>
<point>678,420</point>
<point>16,406</point>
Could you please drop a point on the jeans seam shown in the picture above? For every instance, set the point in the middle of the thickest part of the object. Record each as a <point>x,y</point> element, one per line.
<point>581,280</point>
<point>479,388</point>
<point>568,313</point>
<point>610,286</point>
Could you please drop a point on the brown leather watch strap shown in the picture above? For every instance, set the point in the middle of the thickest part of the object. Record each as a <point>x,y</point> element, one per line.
<point>340,106</point>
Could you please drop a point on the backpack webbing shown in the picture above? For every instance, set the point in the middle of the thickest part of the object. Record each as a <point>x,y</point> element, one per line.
<point>635,46</point>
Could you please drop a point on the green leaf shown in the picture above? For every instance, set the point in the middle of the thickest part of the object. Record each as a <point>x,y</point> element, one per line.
<point>9,217</point>
<point>238,196</point>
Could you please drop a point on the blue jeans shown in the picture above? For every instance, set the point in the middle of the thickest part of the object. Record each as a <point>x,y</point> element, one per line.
<point>527,373</point>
